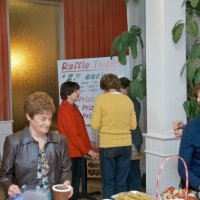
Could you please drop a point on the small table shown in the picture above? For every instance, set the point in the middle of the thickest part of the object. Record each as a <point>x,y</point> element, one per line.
<point>84,193</point>
<point>138,156</point>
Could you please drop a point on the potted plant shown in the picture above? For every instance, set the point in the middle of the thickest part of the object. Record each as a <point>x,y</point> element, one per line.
<point>192,64</point>
<point>120,46</point>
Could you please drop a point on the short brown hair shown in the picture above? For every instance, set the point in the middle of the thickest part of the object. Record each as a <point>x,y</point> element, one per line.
<point>37,103</point>
<point>110,81</point>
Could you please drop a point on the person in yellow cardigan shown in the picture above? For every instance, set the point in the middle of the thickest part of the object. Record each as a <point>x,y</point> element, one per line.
<point>114,117</point>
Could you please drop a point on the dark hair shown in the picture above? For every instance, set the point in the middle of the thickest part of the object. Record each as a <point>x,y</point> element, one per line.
<point>124,82</point>
<point>110,81</point>
<point>67,88</point>
<point>37,103</point>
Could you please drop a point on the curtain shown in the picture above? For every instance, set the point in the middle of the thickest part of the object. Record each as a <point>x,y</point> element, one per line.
<point>4,65</point>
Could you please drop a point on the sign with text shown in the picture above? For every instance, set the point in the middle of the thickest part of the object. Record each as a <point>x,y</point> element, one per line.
<point>87,73</point>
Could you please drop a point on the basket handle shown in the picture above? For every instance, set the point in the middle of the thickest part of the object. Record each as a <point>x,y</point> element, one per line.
<point>161,168</point>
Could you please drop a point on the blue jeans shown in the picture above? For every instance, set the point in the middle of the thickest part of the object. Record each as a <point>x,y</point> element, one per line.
<point>134,177</point>
<point>114,165</point>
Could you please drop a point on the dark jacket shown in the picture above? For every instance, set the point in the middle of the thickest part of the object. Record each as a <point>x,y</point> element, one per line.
<point>190,151</point>
<point>20,160</point>
<point>136,134</point>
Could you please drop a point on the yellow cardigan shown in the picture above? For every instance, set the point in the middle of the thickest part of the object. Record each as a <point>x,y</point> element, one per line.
<point>114,117</point>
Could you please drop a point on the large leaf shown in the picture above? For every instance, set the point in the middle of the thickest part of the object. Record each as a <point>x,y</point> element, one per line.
<point>184,2</point>
<point>177,31</point>
<point>197,78</point>
<point>137,89</point>
<point>132,40</point>
<point>135,71</point>
<point>134,89</point>
<point>184,66</point>
<point>192,27</point>
<point>143,75</point>
<point>194,3</point>
<point>141,90</point>
<point>135,30</point>
<point>191,69</point>
<point>141,42</point>
<point>122,57</point>
<point>115,45</point>
<point>135,1</point>
<point>195,51</point>
<point>191,108</point>
<point>134,51</point>
<point>125,36</point>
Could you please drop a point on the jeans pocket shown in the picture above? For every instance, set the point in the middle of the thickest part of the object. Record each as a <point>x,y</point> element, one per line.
<point>108,152</point>
<point>124,150</point>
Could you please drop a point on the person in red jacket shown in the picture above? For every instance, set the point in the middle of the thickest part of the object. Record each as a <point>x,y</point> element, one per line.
<point>71,124</point>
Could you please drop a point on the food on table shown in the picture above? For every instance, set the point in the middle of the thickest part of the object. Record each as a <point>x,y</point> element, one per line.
<point>133,196</point>
<point>173,193</point>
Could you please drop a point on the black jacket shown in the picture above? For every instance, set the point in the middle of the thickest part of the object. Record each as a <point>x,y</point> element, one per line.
<point>20,160</point>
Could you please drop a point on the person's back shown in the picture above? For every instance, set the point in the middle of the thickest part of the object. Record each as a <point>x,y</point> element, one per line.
<point>115,123</point>
<point>114,117</point>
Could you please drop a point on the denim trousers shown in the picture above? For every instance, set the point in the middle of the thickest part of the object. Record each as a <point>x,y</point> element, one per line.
<point>114,165</point>
<point>134,177</point>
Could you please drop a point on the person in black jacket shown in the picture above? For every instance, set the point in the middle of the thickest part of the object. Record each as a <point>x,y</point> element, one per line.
<point>134,177</point>
<point>35,157</point>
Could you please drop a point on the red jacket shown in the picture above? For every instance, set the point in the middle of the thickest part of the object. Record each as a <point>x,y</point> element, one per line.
<point>72,125</point>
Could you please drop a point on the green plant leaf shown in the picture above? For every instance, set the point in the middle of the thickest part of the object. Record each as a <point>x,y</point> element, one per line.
<point>144,88</point>
<point>177,31</point>
<point>186,108</point>
<point>140,90</point>
<point>141,42</point>
<point>135,71</point>
<point>192,27</point>
<point>122,57</point>
<point>195,50</point>
<point>133,51</point>
<point>143,75</point>
<point>197,78</point>
<point>194,3</point>
<point>183,68</point>
<point>135,1</point>
<point>184,2</point>
<point>115,45</point>
<point>132,40</point>
<point>133,89</point>
<point>135,30</point>
<point>137,89</point>
<point>125,36</point>
<point>191,69</point>
<point>191,108</point>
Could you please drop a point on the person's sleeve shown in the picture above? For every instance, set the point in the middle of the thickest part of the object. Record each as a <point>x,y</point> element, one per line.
<point>7,165</point>
<point>65,171</point>
<point>133,118</point>
<point>95,122</point>
<point>71,130</point>
<point>186,152</point>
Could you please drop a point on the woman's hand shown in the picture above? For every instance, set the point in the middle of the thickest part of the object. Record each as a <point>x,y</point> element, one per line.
<point>178,125</point>
<point>67,183</point>
<point>13,190</point>
<point>93,154</point>
<point>178,133</point>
